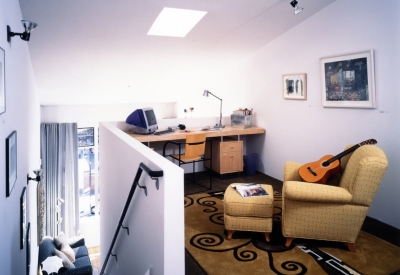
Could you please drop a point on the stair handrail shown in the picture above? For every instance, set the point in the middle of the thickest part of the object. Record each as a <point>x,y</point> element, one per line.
<point>154,175</point>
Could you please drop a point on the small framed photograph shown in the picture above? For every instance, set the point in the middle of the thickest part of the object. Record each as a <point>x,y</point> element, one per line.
<point>295,86</point>
<point>348,81</point>
<point>23,225</point>
<point>2,82</point>
<point>85,137</point>
<point>11,162</point>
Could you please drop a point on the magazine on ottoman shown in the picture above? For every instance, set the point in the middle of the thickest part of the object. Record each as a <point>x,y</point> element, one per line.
<point>248,190</point>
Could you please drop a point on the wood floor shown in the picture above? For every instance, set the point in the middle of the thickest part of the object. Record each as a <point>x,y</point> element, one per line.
<point>94,255</point>
<point>372,226</point>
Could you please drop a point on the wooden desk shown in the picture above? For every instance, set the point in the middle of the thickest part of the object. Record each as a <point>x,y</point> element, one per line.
<point>227,131</point>
<point>227,156</point>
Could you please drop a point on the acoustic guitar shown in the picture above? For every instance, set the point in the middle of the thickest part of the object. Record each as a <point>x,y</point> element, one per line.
<point>320,171</point>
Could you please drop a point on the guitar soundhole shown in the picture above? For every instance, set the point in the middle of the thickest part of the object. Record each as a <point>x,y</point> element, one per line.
<point>326,163</point>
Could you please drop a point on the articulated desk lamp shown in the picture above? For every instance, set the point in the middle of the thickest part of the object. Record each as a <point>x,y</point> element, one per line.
<point>219,125</point>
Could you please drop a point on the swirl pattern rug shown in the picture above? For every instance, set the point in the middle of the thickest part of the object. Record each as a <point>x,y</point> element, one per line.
<point>248,252</point>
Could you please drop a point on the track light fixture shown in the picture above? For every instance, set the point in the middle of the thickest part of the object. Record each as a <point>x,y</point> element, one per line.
<point>297,9</point>
<point>28,25</point>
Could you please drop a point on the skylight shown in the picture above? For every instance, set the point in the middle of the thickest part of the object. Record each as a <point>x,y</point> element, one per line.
<point>175,22</point>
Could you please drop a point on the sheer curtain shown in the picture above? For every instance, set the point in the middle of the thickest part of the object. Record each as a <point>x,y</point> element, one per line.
<point>59,152</point>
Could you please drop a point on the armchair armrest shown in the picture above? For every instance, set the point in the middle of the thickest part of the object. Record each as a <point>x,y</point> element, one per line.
<point>76,241</point>
<point>313,192</point>
<point>291,171</point>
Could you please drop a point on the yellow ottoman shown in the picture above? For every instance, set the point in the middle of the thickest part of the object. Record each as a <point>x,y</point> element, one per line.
<point>248,214</point>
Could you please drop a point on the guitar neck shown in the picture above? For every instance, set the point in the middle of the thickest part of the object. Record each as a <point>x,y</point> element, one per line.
<point>342,154</point>
<point>351,149</point>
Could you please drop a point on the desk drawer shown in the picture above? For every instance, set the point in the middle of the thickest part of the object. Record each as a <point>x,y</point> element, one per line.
<point>231,146</point>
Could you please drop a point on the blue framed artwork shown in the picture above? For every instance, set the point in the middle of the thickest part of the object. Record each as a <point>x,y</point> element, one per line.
<point>348,80</point>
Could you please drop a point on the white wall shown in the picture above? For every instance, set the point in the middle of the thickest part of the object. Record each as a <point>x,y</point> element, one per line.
<point>155,221</point>
<point>304,131</point>
<point>22,115</point>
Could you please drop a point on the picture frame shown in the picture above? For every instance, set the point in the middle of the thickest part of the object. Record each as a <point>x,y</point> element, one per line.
<point>85,136</point>
<point>11,162</point>
<point>348,81</point>
<point>23,225</point>
<point>2,81</point>
<point>294,86</point>
<point>28,248</point>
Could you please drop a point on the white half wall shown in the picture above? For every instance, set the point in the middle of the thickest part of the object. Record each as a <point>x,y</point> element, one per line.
<point>156,221</point>
<point>304,131</point>
<point>23,116</point>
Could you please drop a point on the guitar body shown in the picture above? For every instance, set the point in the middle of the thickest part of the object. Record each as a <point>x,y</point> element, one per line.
<point>320,171</point>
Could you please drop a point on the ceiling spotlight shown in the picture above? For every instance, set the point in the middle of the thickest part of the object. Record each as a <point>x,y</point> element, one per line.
<point>297,9</point>
<point>28,25</point>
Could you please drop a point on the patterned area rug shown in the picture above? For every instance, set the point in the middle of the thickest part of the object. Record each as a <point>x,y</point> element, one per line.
<point>249,253</point>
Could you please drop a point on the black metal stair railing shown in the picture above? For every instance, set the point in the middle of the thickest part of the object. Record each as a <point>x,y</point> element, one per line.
<point>154,175</point>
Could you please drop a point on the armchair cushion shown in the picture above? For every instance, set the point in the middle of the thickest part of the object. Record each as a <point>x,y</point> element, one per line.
<point>304,191</point>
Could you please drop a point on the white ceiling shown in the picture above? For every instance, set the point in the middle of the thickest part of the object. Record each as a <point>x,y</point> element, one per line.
<point>83,50</point>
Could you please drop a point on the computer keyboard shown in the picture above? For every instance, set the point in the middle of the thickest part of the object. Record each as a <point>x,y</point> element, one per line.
<point>159,133</point>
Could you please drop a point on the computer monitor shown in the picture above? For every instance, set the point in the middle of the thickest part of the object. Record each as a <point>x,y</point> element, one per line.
<point>144,121</point>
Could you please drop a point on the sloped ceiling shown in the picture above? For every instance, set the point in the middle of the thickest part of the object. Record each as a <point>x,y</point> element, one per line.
<point>86,51</point>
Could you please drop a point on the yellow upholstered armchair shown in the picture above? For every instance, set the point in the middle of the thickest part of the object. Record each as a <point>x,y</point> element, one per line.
<point>332,213</point>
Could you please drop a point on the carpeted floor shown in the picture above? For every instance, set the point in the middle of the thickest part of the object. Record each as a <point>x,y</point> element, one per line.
<point>249,253</point>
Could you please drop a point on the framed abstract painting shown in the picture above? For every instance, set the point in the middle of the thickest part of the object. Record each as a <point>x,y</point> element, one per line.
<point>348,81</point>
<point>294,86</point>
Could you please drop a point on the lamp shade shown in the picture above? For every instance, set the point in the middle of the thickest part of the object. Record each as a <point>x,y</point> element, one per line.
<point>28,25</point>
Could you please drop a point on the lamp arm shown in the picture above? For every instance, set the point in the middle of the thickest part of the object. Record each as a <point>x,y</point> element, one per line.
<point>220,109</point>
<point>220,114</point>
<point>219,125</point>
<point>214,96</point>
